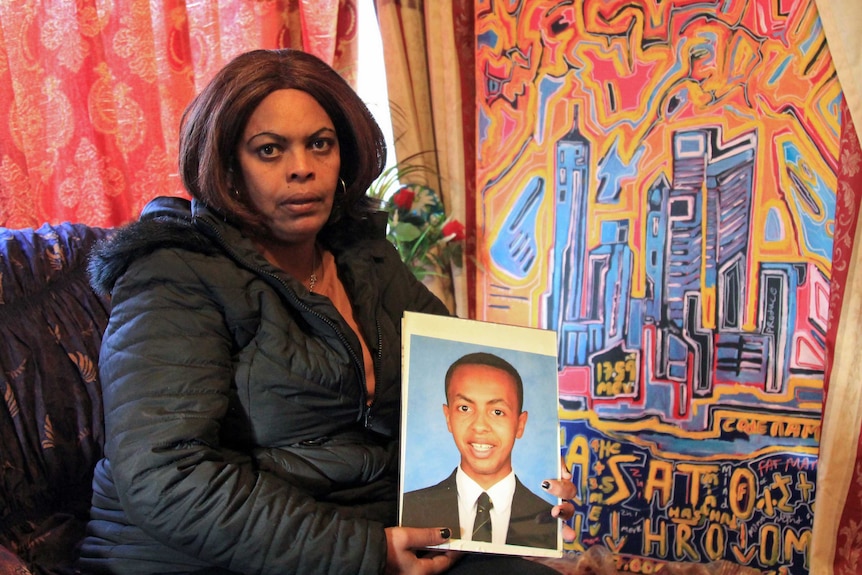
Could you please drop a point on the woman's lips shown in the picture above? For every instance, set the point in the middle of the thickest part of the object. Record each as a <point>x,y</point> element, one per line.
<point>301,199</point>
<point>298,204</point>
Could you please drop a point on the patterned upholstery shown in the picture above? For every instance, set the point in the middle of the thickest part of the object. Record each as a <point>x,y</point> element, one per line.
<point>51,433</point>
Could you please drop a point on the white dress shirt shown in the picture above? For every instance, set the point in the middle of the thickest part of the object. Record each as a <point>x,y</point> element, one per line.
<point>501,494</point>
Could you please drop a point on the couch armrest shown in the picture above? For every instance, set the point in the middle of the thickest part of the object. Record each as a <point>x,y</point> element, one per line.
<point>51,429</point>
<point>11,564</point>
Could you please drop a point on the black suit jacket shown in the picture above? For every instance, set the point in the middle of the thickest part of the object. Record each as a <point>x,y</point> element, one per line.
<point>530,525</point>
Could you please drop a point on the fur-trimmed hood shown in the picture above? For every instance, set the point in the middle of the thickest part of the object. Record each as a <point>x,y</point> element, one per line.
<point>165,222</point>
<point>173,222</point>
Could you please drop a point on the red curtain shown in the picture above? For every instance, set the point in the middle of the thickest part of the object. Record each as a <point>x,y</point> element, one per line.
<point>465,41</point>
<point>91,93</point>
<point>849,530</point>
<point>847,200</point>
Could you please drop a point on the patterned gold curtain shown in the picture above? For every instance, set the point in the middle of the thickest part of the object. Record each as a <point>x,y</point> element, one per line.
<point>91,93</point>
<point>837,533</point>
<point>428,52</point>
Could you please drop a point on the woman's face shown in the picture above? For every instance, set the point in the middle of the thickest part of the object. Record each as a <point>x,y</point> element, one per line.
<point>290,161</point>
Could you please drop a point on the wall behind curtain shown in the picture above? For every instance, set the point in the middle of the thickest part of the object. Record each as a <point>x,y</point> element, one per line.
<point>656,182</point>
<point>91,93</point>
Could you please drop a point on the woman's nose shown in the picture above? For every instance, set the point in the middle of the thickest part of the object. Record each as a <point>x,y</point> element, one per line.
<point>300,166</point>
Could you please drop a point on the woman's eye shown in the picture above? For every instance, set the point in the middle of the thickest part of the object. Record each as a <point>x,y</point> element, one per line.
<point>267,151</point>
<point>321,144</point>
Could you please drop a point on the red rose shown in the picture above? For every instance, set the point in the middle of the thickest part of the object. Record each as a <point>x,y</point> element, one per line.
<point>403,198</point>
<point>455,229</point>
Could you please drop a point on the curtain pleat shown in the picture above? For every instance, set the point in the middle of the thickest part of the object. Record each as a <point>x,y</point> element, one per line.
<point>837,531</point>
<point>446,106</point>
<point>319,23</point>
<point>424,79</point>
<point>402,31</point>
<point>838,465</point>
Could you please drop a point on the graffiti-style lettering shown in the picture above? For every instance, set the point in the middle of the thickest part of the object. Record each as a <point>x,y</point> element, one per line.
<point>699,510</point>
<point>696,473</point>
<point>742,552</point>
<point>605,449</point>
<point>683,548</point>
<point>642,566</point>
<point>594,518</point>
<point>766,465</point>
<point>767,504</point>
<point>796,543</point>
<point>795,429</point>
<point>805,463</point>
<point>578,459</point>
<point>577,525</point>
<point>771,303</point>
<point>747,426</point>
<point>623,491</point>
<point>714,541</point>
<point>616,378</point>
<point>805,487</point>
<point>782,484</point>
<point>743,493</point>
<point>770,544</point>
<point>651,539</point>
<point>722,517</point>
<point>659,479</point>
<point>613,541</point>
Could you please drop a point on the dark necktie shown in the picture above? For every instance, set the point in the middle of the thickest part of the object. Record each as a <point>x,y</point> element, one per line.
<point>482,525</point>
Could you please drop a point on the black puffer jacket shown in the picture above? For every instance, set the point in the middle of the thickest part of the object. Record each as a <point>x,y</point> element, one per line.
<point>237,430</point>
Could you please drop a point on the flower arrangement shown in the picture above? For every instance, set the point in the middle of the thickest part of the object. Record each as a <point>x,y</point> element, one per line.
<point>426,239</point>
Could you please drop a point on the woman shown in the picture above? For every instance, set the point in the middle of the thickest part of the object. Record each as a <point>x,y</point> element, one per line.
<point>251,366</point>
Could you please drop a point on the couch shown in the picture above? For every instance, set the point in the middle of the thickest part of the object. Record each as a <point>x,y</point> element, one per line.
<point>51,432</point>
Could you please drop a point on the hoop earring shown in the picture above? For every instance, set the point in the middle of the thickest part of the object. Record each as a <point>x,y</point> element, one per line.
<point>343,187</point>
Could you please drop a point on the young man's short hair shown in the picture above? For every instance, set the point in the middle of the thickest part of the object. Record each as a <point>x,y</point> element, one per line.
<point>490,360</point>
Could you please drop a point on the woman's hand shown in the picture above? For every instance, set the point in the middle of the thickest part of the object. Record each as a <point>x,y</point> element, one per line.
<point>565,490</point>
<point>401,558</point>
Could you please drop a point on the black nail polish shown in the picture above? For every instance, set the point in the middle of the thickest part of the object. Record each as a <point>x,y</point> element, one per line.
<point>445,533</point>
<point>546,484</point>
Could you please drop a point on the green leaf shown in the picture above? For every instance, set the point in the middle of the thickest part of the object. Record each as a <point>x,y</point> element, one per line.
<point>388,182</point>
<point>405,232</point>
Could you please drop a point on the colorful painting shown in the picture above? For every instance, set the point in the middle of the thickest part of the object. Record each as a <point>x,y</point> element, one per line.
<point>656,182</point>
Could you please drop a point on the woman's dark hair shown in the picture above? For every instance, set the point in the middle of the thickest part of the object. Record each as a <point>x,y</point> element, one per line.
<point>213,123</point>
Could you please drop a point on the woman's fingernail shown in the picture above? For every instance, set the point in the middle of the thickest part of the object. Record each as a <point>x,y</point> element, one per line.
<point>445,533</point>
<point>546,484</point>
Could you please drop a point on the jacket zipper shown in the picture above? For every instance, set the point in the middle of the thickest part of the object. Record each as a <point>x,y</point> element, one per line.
<point>358,364</point>
<point>378,367</point>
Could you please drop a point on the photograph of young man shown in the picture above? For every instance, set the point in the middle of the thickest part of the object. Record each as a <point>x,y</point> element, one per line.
<point>483,499</point>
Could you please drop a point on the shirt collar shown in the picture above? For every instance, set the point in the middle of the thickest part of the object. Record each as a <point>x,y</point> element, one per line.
<point>501,493</point>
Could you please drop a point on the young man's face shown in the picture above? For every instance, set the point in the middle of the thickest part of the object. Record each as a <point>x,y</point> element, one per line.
<point>482,415</point>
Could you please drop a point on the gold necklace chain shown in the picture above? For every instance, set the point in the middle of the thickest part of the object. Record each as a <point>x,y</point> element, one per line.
<point>312,279</point>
